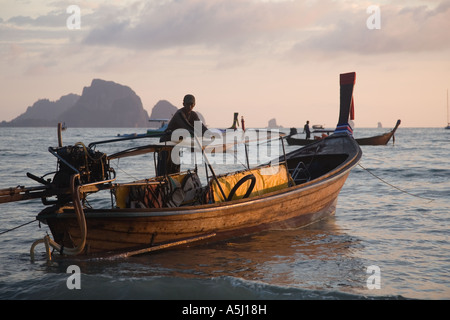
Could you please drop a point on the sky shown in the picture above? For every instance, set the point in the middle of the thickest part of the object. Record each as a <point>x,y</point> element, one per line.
<point>262,58</point>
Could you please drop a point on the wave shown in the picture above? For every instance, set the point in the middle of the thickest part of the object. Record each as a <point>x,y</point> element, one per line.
<point>104,287</point>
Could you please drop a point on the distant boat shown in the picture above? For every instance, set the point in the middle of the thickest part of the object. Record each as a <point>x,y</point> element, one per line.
<point>158,132</point>
<point>150,132</point>
<point>448,112</point>
<point>382,139</point>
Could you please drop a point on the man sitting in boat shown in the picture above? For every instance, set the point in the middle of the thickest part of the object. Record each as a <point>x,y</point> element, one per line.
<point>184,118</point>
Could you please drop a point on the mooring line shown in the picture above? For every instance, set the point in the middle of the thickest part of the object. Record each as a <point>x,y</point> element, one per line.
<point>391,185</point>
<point>17,227</point>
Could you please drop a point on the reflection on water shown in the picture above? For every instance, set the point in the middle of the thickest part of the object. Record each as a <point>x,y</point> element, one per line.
<point>316,257</point>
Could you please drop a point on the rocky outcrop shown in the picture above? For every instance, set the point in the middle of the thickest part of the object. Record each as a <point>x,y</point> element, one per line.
<point>102,104</point>
<point>43,113</point>
<point>106,104</point>
<point>162,110</point>
<point>273,124</point>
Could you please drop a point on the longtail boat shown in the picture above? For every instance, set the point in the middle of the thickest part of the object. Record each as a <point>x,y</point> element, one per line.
<point>378,140</point>
<point>173,209</point>
<point>150,132</point>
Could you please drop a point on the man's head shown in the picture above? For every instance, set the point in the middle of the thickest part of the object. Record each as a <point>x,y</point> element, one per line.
<point>189,101</point>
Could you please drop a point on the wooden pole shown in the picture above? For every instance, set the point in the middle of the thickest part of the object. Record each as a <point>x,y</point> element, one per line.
<point>59,134</point>
<point>161,246</point>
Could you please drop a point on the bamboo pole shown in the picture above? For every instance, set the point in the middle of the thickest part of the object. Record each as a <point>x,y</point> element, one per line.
<point>162,246</point>
<point>60,144</point>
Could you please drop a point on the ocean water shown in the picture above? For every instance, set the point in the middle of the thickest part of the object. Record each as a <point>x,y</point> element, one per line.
<point>389,238</point>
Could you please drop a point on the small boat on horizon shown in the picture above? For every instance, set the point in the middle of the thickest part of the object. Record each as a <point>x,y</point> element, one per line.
<point>150,132</point>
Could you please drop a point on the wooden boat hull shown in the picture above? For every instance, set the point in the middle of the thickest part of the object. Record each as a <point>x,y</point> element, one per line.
<point>109,231</point>
<point>380,140</point>
<point>298,142</point>
<point>293,207</point>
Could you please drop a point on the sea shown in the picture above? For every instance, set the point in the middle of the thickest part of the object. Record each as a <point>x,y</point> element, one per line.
<point>388,240</point>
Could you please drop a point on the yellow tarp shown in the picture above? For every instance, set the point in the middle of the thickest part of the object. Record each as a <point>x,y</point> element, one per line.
<point>121,196</point>
<point>268,179</point>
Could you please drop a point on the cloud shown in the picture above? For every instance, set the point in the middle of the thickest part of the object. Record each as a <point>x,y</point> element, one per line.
<point>15,51</point>
<point>403,29</point>
<point>227,33</point>
<point>220,24</point>
<point>53,19</point>
<point>297,27</point>
<point>49,28</point>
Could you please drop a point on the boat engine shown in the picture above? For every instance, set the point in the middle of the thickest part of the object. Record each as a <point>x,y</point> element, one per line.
<point>93,166</point>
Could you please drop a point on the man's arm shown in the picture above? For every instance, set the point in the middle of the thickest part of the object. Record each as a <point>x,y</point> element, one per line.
<point>195,117</point>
